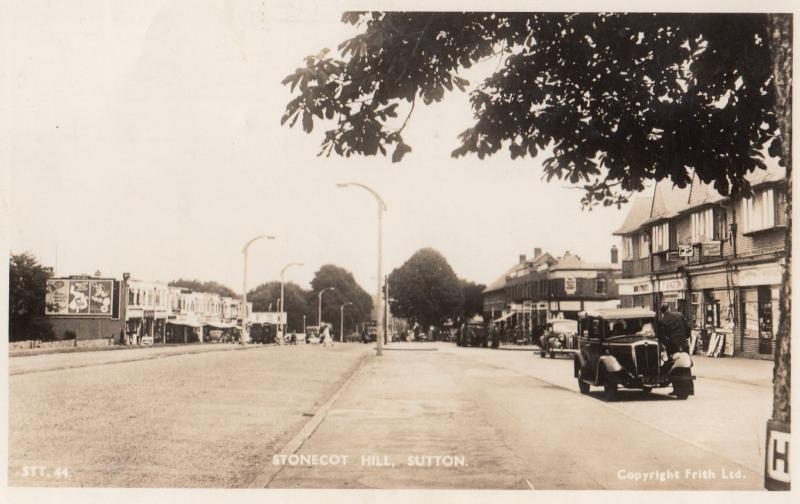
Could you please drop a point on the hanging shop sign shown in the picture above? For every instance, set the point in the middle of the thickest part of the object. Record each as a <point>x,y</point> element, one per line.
<point>267,318</point>
<point>672,284</point>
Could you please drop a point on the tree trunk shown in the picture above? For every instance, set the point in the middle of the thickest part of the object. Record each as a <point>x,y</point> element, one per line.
<point>780,32</point>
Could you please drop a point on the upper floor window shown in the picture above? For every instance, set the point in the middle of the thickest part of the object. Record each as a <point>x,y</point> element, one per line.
<point>702,226</point>
<point>644,247</point>
<point>627,248</point>
<point>662,238</point>
<point>761,210</point>
<point>600,286</point>
<point>709,224</point>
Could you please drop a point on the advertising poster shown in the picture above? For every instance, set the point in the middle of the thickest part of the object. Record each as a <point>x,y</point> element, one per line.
<point>79,297</point>
<point>56,297</point>
<point>100,301</point>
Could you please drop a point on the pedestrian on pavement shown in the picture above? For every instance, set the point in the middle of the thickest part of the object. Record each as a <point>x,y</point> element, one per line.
<point>293,339</point>
<point>326,333</point>
<point>673,331</point>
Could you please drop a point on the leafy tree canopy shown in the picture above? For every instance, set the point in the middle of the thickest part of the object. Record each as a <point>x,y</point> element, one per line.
<point>199,286</point>
<point>473,299</point>
<point>346,290</point>
<point>614,99</point>
<point>266,297</point>
<point>27,281</point>
<point>425,289</point>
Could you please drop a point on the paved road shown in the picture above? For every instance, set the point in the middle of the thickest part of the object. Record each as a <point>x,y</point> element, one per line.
<point>421,416</point>
<point>517,421</point>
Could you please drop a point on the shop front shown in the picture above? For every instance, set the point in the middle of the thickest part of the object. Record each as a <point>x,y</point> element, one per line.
<point>760,307</point>
<point>712,311</point>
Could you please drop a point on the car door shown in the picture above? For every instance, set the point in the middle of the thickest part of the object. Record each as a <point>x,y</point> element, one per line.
<point>594,347</point>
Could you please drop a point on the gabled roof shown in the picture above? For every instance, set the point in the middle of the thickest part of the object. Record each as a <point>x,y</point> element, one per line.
<point>703,194</point>
<point>534,265</point>
<point>572,262</point>
<point>668,200</point>
<point>637,215</point>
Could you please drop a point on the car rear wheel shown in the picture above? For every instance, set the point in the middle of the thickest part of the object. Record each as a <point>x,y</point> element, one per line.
<point>542,353</point>
<point>582,385</point>
<point>681,391</point>
<point>611,391</point>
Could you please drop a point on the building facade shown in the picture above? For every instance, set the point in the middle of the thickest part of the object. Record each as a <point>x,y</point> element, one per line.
<point>532,291</point>
<point>131,311</point>
<point>718,260</point>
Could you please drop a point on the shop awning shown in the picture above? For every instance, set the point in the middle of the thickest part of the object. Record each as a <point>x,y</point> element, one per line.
<point>504,317</point>
<point>184,323</point>
<point>221,325</point>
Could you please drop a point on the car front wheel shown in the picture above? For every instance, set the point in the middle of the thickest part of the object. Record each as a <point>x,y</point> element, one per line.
<point>681,391</point>
<point>582,385</point>
<point>611,391</point>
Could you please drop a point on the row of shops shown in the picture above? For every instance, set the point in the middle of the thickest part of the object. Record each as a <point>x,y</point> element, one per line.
<point>718,260</point>
<point>131,312</point>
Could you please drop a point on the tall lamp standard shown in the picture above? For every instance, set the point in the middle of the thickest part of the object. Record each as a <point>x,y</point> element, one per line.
<point>281,310</point>
<point>341,321</point>
<point>244,339</point>
<point>378,311</point>
<point>319,306</point>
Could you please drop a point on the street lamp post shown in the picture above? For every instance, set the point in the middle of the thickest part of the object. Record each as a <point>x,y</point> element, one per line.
<point>378,311</point>
<point>283,324</point>
<point>319,307</point>
<point>244,338</point>
<point>341,321</point>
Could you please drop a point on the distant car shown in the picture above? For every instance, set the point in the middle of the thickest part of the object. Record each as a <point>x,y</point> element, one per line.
<point>313,339</point>
<point>620,348</point>
<point>146,340</point>
<point>560,336</point>
<point>475,335</point>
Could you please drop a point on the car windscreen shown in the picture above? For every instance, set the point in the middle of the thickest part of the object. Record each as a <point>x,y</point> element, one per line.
<point>565,327</point>
<point>621,327</point>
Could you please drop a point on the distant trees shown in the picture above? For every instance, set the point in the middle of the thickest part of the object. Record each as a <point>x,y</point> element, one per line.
<point>346,289</point>
<point>266,297</point>
<point>425,289</point>
<point>199,286</point>
<point>473,299</point>
<point>27,281</point>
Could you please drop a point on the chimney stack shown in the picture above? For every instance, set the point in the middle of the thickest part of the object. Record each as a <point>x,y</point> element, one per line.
<point>614,254</point>
<point>522,258</point>
<point>537,252</point>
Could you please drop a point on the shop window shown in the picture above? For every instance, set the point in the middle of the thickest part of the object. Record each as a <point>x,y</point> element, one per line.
<point>697,310</point>
<point>600,286</point>
<point>131,297</point>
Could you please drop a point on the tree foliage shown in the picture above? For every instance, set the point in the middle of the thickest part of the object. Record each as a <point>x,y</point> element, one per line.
<point>346,290</point>
<point>200,286</point>
<point>27,282</point>
<point>614,99</point>
<point>266,297</point>
<point>425,289</point>
<point>473,299</point>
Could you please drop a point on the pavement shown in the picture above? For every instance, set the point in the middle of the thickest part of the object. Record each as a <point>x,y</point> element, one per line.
<point>203,419</point>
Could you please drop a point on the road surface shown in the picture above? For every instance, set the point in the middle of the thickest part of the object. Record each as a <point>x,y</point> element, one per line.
<point>423,415</point>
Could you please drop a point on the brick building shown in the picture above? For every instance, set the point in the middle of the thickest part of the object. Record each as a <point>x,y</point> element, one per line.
<point>534,290</point>
<point>716,259</point>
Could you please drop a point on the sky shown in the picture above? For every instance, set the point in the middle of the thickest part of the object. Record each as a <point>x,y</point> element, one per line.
<point>145,137</point>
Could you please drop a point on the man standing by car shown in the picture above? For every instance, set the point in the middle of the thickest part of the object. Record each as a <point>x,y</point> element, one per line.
<point>673,331</point>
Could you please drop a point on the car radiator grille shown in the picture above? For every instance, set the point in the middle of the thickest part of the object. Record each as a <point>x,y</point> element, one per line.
<point>647,358</point>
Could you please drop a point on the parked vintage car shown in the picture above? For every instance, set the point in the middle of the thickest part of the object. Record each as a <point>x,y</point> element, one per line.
<point>560,336</point>
<point>620,348</point>
<point>473,334</point>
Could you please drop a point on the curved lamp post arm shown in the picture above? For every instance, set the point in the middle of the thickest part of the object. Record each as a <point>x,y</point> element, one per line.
<point>246,245</point>
<point>381,203</point>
